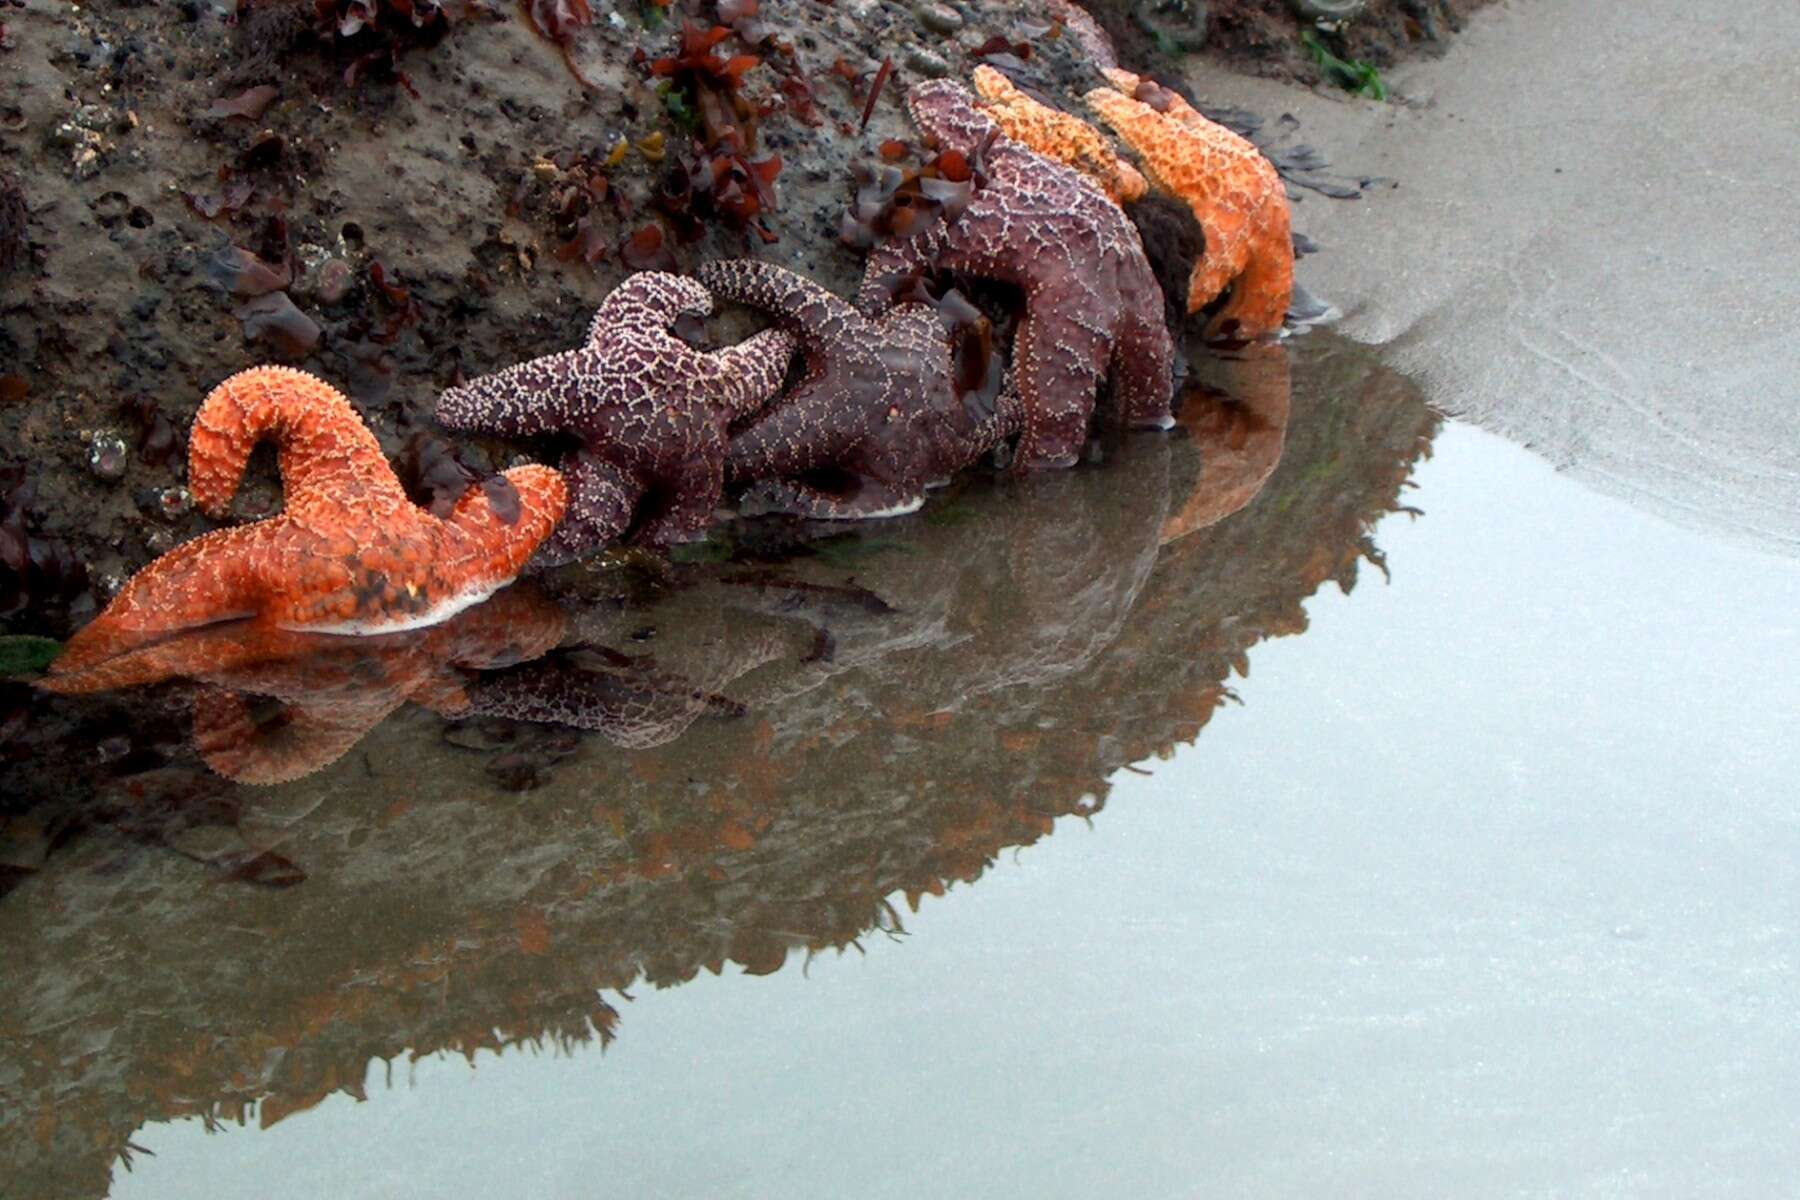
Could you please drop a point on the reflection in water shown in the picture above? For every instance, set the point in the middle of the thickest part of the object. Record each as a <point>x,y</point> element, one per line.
<point>276,704</point>
<point>788,741</point>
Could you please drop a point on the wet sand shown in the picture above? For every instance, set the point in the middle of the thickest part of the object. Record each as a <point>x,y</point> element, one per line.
<point>1589,248</point>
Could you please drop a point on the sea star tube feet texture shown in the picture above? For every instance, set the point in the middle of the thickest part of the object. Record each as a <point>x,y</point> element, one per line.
<point>879,402</point>
<point>1085,32</point>
<point>1093,309</point>
<point>1233,190</point>
<point>650,410</point>
<point>349,553</point>
<point>1057,135</point>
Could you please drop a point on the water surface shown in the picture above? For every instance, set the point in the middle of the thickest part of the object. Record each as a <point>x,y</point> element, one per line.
<point>1076,838</point>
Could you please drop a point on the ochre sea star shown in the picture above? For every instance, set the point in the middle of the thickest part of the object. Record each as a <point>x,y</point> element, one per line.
<point>1234,192</point>
<point>330,690</point>
<point>349,553</point>
<point>1058,135</point>
<point>1092,305</point>
<point>651,412</point>
<point>879,401</point>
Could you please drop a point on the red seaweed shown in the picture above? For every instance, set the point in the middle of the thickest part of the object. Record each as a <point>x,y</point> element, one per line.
<point>881,78</point>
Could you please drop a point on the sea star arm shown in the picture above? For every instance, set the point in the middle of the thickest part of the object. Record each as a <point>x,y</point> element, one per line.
<point>496,539</point>
<point>693,501</point>
<point>1058,135</point>
<point>1056,373</point>
<point>747,376</point>
<point>654,298</point>
<point>891,263</point>
<point>602,499</point>
<point>816,315</point>
<point>219,576</point>
<point>326,450</point>
<point>806,431</point>
<point>528,398</point>
<point>946,113</point>
<point>1234,191</point>
<point>1143,376</point>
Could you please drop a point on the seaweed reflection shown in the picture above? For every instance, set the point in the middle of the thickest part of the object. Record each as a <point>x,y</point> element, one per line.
<point>782,749</point>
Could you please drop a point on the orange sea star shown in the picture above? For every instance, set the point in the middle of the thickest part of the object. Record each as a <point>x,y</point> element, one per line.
<point>1233,190</point>
<point>1058,135</point>
<point>331,690</point>
<point>348,554</point>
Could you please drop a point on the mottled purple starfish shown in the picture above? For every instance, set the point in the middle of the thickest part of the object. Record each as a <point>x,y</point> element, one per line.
<point>651,412</point>
<point>1092,305</point>
<point>879,403</point>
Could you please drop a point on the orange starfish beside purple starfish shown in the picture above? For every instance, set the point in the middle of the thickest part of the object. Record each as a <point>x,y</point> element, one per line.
<point>1234,192</point>
<point>1058,135</point>
<point>349,553</point>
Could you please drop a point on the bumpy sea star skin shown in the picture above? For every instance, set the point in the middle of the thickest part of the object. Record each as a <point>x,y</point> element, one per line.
<point>878,401</point>
<point>1058,135</point>
<point>651,412</point>
<point>331,690</point>
<point>1235,194</point>
<point>1085,31</point>
<point>348,554</point>
<point>1092,306</point>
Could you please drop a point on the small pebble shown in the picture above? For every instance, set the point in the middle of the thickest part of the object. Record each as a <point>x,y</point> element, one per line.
<point>940,18</point>
<point>1329,10</point>
<point>334,281</point>
<point>174,502</point>
<point>107,455</point>
<point>928,63</point>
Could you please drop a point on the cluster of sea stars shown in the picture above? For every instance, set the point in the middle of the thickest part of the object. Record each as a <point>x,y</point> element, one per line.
<point>879,413</point>
<point>888,402</point>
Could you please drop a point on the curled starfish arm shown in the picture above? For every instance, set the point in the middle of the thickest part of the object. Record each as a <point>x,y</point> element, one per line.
<point>747,376</point>
<point>522,400</point>
<point>804,432</point>
<point>1259,300</point>
<point>1233,190</point>
<point>1143,376</point>
<point>947,114</point>
<point>891,264</point>
<point>655,298</point>
<point>1007,420</point>
<point>324,443</point>
<point>815,314</point>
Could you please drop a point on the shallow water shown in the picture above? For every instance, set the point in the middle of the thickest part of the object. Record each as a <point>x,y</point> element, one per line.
<point>1076,837</point>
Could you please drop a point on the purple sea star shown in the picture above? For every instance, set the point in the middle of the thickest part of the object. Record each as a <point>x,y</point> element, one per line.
<point>1092,305</point>
<point>651,412</point>
<point>879,402</point>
